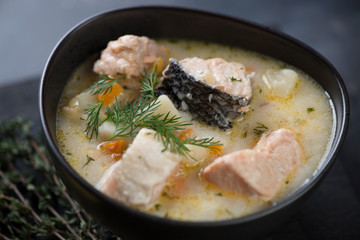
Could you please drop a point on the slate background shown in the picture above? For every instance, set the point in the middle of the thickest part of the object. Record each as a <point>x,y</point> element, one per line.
<point>30,29</point>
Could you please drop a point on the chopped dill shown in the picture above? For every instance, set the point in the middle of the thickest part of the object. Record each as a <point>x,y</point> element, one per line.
<point>244,135</point>
<point>157,206</point>
<point>310,109</point>
<point>228,212</point>
<point>89,159</point>
<point>296,84</point>
<point>235,79</point>
<point>260,129</point>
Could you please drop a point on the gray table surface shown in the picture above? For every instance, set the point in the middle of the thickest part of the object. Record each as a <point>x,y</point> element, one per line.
<point>330,27</point>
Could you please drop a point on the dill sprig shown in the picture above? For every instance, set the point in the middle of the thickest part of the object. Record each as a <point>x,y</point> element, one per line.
<point>130,117</point>
<point>136,115</point>
<point>104,84</point>
<point>203,142</point>
<point>149,81</point>
<point>165,128</point>
<point>93,119</point>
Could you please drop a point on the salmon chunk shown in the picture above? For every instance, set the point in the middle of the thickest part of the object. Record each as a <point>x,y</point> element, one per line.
<point>129,56</point>
<point>214,91</point>
<point>229,77</point>
<point>139,177</point>
<point>260,171</point>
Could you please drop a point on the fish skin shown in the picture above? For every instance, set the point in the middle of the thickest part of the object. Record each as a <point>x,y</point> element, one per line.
<point>203,101</point>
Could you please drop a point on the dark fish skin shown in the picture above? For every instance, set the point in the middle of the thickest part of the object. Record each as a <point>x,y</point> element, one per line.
<point>204,102</point>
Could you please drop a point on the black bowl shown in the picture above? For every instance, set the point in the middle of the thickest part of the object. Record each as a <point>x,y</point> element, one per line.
<point>92,35</point>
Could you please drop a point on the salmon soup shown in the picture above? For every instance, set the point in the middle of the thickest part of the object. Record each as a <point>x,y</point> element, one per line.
<point>254,128</point>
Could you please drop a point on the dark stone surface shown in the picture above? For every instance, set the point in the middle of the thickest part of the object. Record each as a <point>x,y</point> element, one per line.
<point>330,27</point>
<point>21,99</point>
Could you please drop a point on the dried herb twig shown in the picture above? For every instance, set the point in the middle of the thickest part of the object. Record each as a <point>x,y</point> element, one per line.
<point>34,204</point>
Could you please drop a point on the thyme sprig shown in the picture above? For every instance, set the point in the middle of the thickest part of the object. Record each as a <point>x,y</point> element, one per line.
<point>34,204</point>
<point>130,117</point>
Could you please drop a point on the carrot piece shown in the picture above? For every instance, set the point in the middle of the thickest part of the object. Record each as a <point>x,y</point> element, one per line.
<point>185,133</point>
<point>159,63</point>
<point>216,150</point>
<point>249,69</point>
<point>117,147</point>
<point>109,97</point>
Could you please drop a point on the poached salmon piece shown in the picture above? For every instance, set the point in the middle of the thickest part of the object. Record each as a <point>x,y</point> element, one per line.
<point>129,56</point>
<point>139,177</point>
<point>229,77</point>
<point>214,91</point>
<point>261,171</point>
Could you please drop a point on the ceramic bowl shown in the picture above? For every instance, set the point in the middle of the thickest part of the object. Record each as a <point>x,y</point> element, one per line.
<point>92,35</point>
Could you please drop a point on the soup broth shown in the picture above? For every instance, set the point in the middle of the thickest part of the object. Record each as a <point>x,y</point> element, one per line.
<point>305,109</point>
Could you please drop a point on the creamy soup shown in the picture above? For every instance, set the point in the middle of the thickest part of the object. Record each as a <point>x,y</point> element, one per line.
<point>283,97</point>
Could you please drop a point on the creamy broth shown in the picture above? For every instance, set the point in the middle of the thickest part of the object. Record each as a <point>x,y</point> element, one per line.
<point>306,110</point>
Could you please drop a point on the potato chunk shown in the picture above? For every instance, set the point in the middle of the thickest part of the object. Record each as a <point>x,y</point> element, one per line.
<point>280,83</point>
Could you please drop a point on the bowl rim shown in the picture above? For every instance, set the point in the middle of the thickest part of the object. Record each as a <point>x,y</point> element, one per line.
<point>314,179</point>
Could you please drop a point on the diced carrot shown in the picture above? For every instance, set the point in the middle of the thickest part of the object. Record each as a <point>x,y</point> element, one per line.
<point>249,69</point>
<point>216,150</point>
<point>159,63</point>
<point>185,133</point>
<point>115,148</point>
<point>109,97</point>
